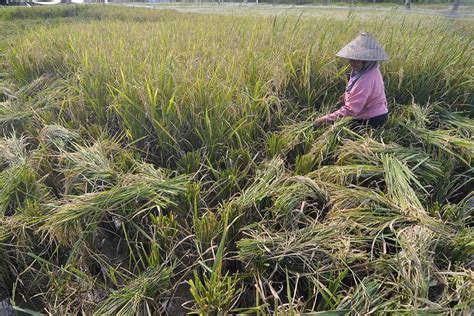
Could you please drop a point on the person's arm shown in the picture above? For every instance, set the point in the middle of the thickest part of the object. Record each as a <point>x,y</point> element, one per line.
<point>354,103</point>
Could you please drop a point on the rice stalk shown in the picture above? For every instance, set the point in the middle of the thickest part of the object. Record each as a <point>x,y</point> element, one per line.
<point>265,181</point>
<point>309,250</point>
<point>133,195</point>
<point>366,297</point>
<point>324,146</point>
<point>455,119</point>
<point>346,174</point>
<point>370,151</point>
<point>89,168</point>
<point>399,180</point>
<point>141,294</point>
<point>58,138</point>
<point>13,116</point>
<point>20,186</point>
<point>13,151</point>
<point>446,142</point>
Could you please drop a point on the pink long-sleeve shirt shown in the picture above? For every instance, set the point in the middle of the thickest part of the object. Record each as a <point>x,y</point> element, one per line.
<point>365,100</point>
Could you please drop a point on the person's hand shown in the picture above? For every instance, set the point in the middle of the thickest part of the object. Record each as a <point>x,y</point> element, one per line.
<point>319,121</point>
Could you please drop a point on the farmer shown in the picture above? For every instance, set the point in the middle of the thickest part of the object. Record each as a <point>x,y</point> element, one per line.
<point>364,99</point>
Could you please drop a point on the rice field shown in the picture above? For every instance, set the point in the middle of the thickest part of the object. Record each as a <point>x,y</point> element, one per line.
<point>160,162</point>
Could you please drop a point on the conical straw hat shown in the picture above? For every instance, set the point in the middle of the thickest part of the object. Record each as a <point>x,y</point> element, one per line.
<point>363,47</point>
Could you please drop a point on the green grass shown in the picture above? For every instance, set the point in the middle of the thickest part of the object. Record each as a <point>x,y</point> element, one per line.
<point>156,161</point>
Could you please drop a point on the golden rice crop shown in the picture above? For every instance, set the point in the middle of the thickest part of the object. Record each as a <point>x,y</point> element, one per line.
<point>158,162</point>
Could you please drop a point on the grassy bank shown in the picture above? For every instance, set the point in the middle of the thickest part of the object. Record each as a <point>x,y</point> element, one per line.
<point>152,159</point>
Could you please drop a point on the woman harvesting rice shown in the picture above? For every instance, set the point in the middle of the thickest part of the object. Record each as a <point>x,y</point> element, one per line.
<point>364,98</point>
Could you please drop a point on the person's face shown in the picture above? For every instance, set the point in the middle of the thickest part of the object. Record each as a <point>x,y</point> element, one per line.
<point>356,65</point>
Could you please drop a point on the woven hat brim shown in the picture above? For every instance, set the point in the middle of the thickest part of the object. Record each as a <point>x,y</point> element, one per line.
<point>363,54</point>
<point>363,47</point>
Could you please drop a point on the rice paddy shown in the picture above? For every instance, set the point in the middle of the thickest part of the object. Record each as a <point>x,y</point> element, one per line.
<point>158,162</point>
